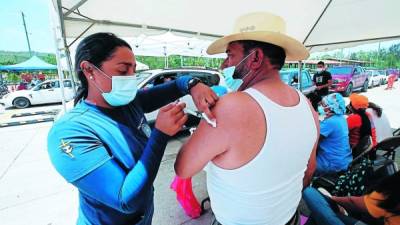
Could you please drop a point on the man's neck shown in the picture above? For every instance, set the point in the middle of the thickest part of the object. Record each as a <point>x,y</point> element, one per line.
<point>260,76</point>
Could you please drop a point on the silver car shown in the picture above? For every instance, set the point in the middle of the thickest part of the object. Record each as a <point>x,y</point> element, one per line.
<point>150,78</point>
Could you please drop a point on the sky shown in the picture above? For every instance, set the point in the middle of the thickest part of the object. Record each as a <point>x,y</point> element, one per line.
<point>12,34</point>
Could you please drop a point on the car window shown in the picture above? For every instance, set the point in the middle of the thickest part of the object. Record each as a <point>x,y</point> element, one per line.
<point>340,70</point>
<point>285,76</point>
<point>46,86</point>
<point>305,79</point>
<point>357,70</point>
<point>55,84</point>
<point>209,79</point>
<point>159,79</point>
<point>67,84</point>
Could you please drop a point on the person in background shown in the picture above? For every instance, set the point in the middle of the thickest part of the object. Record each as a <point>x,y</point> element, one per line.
<point>382,203</point>
<point>104,145</point>
<point>322,80</point>
<point>380,121</point>
<point>35,81</point>
<point>334,153</point>
<point>359,122</point>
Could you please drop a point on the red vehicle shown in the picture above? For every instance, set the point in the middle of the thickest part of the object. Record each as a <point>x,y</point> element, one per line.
<point>346,79</point>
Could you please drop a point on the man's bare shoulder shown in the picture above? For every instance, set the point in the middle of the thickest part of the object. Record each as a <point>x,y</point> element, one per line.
<point>233,105</point>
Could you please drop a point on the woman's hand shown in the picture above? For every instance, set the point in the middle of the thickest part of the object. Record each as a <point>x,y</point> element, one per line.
<point>204,98</point>
<point>171,118</point>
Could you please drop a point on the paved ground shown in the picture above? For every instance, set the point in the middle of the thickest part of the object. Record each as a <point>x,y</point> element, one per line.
<point>31,192</point>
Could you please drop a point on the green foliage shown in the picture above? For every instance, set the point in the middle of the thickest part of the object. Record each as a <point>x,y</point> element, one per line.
<point>13,78</point>
<point>10,58</point>
<point>176,61</point>
<point>382,58</point>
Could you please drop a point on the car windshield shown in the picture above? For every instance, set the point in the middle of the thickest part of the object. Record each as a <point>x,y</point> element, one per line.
<point>381,72</point>
<point>289,77</point>
<point>340,70</point>
<point>142,76</point>
<point>285,76</point>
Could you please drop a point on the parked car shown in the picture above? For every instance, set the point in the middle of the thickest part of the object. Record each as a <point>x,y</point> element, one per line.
<point>290,77</point>
<point>383,74</point>
<point>47,92</point>
<point>375,78</point>
<point>150,78</point>
<point>346,79</point>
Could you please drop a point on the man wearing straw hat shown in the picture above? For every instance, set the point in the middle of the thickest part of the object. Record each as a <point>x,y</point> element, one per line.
<point>262,152</point>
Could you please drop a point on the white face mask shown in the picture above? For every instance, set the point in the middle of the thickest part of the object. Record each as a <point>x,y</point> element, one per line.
<point>234,83</point>
<point>320,70</point>
<point>123,91</point>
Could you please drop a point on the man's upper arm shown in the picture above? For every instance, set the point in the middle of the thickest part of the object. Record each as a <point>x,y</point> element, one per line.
<point>206,142</point>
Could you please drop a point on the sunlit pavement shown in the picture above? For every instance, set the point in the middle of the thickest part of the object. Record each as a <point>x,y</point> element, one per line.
<point>31,192</point>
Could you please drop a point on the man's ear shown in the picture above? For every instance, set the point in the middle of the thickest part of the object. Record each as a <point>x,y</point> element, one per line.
<point>257,59</point>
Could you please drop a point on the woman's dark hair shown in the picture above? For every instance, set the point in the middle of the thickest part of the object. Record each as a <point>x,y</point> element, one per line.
<point>96,49</point>
<point>365,122</point>
<point>275,54</point>
<point>389,187</point>
<point>376,108</point>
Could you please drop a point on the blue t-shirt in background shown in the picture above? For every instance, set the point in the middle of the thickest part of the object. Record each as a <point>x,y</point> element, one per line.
<point>334,153</point>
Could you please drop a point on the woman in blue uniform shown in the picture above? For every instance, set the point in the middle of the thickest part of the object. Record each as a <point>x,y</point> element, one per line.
<point>104,145</point>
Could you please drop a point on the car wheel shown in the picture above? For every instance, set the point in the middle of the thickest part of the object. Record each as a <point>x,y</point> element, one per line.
<point>348,91</point>
<point>21,103</point>
<point>365,86</point>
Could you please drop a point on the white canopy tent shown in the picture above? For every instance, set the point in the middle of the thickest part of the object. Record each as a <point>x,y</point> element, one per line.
<point>322,25</point>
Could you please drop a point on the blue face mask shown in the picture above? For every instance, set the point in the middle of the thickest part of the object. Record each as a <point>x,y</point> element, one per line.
<point>234,83</point>
<point>321,111</point>
<point>123,89</point>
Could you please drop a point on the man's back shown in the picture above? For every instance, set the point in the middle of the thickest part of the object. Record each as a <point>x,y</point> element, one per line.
<point>261,172</point>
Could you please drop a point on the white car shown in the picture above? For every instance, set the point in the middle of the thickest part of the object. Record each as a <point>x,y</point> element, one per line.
<point>47,92</point>
<point>375,78</point>
<point>151,78</point>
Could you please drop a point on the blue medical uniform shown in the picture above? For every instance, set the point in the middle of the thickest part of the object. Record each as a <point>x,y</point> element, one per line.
<point>334,153</point>
<point>112,156</point>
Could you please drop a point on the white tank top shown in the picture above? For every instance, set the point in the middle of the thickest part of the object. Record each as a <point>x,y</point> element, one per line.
<point>267,190</point>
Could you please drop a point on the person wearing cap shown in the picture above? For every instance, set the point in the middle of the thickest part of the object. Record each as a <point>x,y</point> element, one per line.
<point>334,153</point>
<point>262,152</point>
<point>359,122</point>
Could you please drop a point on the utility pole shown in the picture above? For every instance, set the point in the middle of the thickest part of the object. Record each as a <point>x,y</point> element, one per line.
<point>26,33</point>
<point>379,52</point>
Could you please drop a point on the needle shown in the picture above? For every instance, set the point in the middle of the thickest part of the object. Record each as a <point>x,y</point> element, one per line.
<point>202,116</point>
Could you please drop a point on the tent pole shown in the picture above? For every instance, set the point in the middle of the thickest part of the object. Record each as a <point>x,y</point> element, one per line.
<point>60,72</point>
<point>71,71</point>
<point>181,61</point>
<point>300,85</point>
<point>66,49</point>
<point>58,55</point>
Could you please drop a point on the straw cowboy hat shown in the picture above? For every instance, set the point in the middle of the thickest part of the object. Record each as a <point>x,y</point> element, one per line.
<point>263,27</point>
